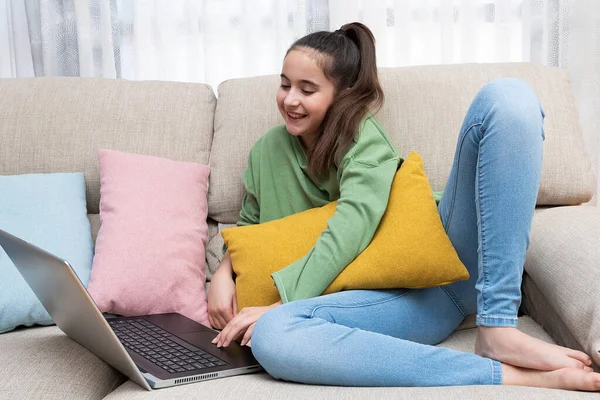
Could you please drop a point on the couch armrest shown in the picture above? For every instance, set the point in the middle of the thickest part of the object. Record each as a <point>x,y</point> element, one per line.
<point>564,262</point>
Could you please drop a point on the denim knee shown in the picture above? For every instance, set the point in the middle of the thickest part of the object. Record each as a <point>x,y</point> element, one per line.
<point>508,91</point>
<point>266,338</point>
<point>512,100</point>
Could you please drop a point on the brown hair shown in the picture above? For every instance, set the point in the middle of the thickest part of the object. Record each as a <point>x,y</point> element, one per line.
<point>347,57</point>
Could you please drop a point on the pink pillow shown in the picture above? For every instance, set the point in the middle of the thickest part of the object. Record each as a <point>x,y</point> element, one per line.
<point>150,250</point>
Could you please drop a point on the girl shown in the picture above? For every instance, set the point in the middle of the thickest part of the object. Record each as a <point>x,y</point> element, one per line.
<point>332,148</point>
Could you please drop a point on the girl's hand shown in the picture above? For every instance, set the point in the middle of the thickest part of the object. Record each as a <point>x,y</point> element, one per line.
<point>242,323</point>
<point>222,300</point>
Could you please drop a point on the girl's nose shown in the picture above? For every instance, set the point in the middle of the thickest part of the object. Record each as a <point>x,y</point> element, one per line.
<point>291,100</point>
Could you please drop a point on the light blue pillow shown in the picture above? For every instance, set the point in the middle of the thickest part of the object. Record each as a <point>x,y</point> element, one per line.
<point>48,210</point>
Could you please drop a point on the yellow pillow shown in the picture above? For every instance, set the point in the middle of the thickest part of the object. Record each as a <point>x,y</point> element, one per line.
<point>410,248</point>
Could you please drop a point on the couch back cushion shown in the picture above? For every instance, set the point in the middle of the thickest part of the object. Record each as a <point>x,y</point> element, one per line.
<point>423,111</point>
<point>58,124</point>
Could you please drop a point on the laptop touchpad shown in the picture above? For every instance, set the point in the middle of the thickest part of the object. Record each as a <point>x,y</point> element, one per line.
<point>233,353</point>
<point>176,323</point>
<point>200,339</point>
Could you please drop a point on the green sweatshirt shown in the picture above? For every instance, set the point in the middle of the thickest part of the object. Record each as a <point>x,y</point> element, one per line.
<point>278,184</point>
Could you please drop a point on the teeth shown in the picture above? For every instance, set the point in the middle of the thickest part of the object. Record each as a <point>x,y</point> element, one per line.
<point>294,115</point>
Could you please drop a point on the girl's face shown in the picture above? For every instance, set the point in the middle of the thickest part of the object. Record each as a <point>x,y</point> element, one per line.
<point>304,96</point>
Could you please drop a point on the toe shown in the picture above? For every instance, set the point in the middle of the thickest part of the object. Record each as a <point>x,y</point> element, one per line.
<point>580,380</point>
<point>580,356</point>
<point>591,381</point>
<point>571,362</point>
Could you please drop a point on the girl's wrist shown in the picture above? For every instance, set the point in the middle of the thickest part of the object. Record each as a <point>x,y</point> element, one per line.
<point>225,265</point>
<point>223,271</point>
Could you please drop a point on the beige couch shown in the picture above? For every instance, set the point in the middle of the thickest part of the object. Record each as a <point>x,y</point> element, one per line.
<point>58,124</point>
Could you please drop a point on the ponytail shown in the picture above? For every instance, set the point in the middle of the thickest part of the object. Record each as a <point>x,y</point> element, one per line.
<point>347,57</point>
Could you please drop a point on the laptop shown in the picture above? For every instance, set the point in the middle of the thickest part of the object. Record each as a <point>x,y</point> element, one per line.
<point>155,351</point>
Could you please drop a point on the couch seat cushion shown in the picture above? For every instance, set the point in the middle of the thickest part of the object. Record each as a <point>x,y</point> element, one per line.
<point>262,386</point>
<point>43,363</point>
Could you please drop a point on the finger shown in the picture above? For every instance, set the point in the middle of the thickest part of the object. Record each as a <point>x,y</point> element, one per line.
<point>214,322</point>
<point>234,336</point>
<point>235,309</point>
<point>211,321</point>
<point>229,335</point>
<point>223,334</point>
<point>223,319</point>
<point>227,315</point>
<point>218,322</point>
<point>236,327</point>
<point>248,335</point>
<point>239,337</point>
<point>239,332</point>
<point>216,339</point>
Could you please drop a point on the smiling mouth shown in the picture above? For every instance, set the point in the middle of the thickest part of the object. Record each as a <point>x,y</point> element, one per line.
<point>295,116</point>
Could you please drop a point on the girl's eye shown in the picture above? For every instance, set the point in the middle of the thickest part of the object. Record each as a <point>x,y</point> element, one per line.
<point>307,92</point>
<point>284,86</point>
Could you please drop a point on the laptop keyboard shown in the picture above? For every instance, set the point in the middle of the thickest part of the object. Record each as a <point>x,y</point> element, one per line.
<point>155,345</point>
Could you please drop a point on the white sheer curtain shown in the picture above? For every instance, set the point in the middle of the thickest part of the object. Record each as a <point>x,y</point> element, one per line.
<point>184,40</point>
<point>213,40</point>
<point>417,32</point>
<point>207,41</point>
<point>15,48</point>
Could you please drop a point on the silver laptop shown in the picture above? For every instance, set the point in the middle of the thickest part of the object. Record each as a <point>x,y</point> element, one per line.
<point>155,351</point>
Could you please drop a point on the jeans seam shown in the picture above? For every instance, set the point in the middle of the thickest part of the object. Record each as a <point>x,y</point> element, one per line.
<point>451,211</point>
<point>481,270</point>
<point>454,300</point>
<point>314,310</point>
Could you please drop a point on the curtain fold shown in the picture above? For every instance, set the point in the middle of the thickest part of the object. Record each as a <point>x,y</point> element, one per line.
<point>213,40</point>
<point>15,43</point>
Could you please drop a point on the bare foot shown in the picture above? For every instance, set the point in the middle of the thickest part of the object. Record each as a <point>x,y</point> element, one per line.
<point>511,346</point>
<point>563,378</point>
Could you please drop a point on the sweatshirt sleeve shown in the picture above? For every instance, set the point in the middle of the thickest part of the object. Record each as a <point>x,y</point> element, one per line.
<point>364,193</point>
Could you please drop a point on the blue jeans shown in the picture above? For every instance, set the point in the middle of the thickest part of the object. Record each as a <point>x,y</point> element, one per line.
<point>387,337</point>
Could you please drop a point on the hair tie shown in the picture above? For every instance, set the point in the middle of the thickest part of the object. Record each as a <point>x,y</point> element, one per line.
<point>340,32</point>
